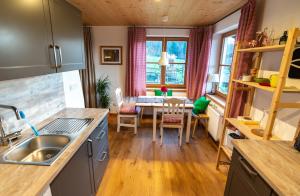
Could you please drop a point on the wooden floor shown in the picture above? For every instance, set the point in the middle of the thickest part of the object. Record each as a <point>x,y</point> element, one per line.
<point>140,167</point>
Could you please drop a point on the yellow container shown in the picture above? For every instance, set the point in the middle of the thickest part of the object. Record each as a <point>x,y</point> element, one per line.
<point>274,80</point>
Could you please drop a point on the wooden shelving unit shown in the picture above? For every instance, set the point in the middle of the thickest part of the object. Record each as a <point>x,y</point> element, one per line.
<point>250,87</point>
<point>263,49</point>
<point>267,88</point>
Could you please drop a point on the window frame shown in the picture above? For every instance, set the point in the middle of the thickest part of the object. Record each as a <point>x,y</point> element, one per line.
<point>220,65</point>
<point>163,68</point>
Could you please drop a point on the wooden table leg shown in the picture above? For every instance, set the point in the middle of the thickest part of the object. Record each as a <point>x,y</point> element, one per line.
<point>154,123</point>
<point>188,126</point>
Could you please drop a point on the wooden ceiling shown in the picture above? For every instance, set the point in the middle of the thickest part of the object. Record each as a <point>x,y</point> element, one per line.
<point>150,12</point>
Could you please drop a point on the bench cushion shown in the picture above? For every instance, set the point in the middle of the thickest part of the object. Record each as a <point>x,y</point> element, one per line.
<point>129,108</point>
<point>173,119</point>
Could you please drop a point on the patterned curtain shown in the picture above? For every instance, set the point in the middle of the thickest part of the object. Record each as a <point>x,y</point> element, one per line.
<point>87,75</point>
<point>245,32</point>
<point>136,62</point>
<point>198,55</point>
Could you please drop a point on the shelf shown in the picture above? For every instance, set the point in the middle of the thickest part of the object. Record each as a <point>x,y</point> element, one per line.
<point>246,129</point>
<point>263,49</point>
<point>227,151</point>
<point>267,88</point>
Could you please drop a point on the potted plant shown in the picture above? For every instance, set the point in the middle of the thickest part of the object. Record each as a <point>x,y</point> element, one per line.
<point>103,91</point>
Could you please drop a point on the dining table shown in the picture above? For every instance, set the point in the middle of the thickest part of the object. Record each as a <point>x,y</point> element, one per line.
<point>156,103</point>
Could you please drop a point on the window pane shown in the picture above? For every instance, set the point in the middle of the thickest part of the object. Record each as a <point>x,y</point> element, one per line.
<point>175,74</point>
<point>153,51</point>
<point>224,79</point>
<point>227,51</point>
<point>176,51</point>
<point>152,73</point>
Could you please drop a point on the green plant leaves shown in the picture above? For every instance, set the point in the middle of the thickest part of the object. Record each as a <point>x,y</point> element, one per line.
<point>103,90</point>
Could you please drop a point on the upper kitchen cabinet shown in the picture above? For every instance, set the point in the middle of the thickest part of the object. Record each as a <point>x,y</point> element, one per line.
<point>67,35</point>
<point>25,37</point>
<point>39,37</point>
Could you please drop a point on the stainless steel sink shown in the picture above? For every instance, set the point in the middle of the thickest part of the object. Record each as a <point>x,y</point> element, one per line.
<point>45,149</point>
<point>40,150</point>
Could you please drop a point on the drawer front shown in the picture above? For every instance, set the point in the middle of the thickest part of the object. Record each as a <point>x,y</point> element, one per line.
<point>99,137</point>
<point>100,162</point>
<point>244,180</point>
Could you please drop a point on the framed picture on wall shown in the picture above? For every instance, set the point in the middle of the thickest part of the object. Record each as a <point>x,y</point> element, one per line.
<point>111,55</point>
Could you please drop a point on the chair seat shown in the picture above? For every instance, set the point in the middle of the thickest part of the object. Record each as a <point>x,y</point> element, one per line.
<point>200,116</point>
<point>129,108</point>
<point>172,119</point>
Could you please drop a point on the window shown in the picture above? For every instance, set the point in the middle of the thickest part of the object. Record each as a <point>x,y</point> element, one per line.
<point>227,50</point>
<point>173,74</point>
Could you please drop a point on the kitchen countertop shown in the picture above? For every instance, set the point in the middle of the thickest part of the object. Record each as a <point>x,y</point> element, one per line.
<point>32,179</point>
<point>277,162</point>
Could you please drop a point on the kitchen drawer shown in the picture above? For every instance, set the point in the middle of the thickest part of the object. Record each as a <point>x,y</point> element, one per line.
<point>103,123</point>
<point>100,162</point>
<point>99,137</point>
<point>244,180</point>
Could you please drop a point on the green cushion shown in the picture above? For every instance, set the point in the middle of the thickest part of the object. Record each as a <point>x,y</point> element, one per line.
<point>158,92</point>
<point>200,105</point>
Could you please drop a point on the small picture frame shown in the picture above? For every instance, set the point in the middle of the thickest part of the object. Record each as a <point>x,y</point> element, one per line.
<point>111,55</point>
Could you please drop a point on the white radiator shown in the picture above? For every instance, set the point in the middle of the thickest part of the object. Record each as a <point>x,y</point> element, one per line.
<point>215,121</point>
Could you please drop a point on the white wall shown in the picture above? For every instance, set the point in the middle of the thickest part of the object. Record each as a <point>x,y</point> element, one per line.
<point>110,36</point>
<point>227,24</point>
<point>73,89</point>
<point>278,15</point>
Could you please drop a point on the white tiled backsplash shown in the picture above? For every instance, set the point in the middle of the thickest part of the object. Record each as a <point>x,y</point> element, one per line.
<point>39,97</point>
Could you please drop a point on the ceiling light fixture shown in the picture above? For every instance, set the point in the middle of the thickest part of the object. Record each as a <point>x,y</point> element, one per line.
<point>165,18</point>
<point>164,61</point>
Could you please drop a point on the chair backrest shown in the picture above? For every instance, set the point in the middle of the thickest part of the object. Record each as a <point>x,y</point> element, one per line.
<point>119,97</point>
<point>173,106</point>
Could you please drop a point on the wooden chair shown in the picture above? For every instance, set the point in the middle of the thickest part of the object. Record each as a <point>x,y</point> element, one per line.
<point>172,117</point>
<point>126,111</point>
<point>198,118</point>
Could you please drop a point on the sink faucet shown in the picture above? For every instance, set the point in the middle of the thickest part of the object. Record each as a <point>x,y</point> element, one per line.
<point>7,138</point>
<point>13,108</point>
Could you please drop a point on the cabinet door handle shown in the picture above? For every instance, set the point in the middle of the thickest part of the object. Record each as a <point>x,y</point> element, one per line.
<point>246,167</point>
<point>90,147</point>
<point>54,54</point>
<point>103,156</point>
<point>101,135</point>
<point>60,55</point>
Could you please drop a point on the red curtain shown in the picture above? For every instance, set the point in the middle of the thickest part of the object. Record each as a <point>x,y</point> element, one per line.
<point>245,32</point>
<point>136,62</point>
<point>198,55</point>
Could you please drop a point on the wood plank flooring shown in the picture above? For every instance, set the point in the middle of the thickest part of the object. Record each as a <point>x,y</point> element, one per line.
<point>140,167</point>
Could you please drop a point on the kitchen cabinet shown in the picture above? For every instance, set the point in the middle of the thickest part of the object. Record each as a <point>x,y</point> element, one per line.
<point>75,177</point>
<point>25,37</point>
<point>67,35</point>
<point>84,172</point>
<point>39,37</point>
<point>244,180</point>
<point>100,156</point>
